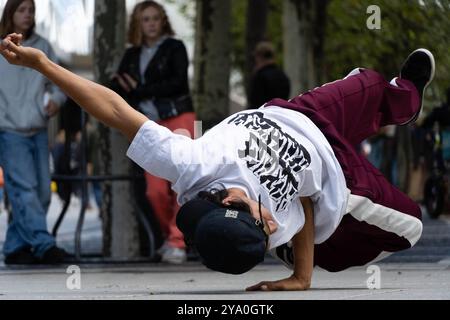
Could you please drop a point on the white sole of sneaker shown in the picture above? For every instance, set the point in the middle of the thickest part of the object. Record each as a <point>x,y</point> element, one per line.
<point>354,72</point>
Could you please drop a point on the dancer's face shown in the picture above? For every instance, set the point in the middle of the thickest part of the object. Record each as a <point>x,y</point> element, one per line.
<point>237,195</point>
<point>24,17</point>
<point>152,24</point>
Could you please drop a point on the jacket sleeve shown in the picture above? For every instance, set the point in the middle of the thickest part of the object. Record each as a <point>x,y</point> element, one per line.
<point>123,68</point>
<point>55,93</point>
<point>174,83</point>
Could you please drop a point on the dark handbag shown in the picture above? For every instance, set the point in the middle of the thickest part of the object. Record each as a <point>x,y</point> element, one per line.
<point>168,108</point>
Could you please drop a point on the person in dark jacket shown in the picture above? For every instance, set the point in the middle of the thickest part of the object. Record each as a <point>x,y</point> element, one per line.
<point>268,81</point>
<point>440,115</point>
<point>153,78</point>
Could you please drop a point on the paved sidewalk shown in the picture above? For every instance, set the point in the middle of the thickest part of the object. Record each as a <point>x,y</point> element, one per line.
<point>193,282</point>
<point>422,272</point>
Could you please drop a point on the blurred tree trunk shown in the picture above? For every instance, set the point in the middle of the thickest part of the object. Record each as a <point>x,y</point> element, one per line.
<point>256,27</point>
<point>320,23</point>
<point>120,227</point>
<point>304,33</point>
<point>212,61</point>
<point>404,157</point>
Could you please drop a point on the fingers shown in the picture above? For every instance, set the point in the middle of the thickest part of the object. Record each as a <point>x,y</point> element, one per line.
<point>128,77</point>
<point>226,201</point>
<point>130,80</point>
<point>123,84</point>
<point>255,287</point>
<point>275,286</point>
<point>229,200</point>
<point>19,37</point>
<point>281,285</point>
<point>288,284</point>
<point>5,43</point>
<point>15,38</point>
<point>262,286</point>
<point>9,44</point>
<point>6,52</point>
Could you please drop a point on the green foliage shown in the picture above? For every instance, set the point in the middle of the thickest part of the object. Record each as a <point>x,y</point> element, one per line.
<point>238,14</point>
<point>275,27</point>
<point>405,25</point>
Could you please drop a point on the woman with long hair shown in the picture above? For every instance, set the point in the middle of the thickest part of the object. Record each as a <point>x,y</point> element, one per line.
<point>27,101</point>
<point>153,78</point>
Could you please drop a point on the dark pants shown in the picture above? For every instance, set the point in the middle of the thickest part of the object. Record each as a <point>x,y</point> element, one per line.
<point>380,219</point>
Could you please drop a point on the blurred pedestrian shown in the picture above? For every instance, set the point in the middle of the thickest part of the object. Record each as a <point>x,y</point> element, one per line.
<point>440,115</point>
<point>2,184</point>
<point>153,78</point>
<point>93,160</point>
<point>268,80</point>
<point>27,101</point>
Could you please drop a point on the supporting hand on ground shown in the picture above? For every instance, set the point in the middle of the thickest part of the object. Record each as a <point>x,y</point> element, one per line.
<point>288,284</point>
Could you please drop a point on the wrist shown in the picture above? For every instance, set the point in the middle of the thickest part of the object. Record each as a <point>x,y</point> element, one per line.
<point>41,64</point>
<point>303,279</point>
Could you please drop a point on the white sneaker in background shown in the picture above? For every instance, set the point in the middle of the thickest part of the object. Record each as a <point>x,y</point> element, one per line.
<point>174,255</point>
<point>163,248</point>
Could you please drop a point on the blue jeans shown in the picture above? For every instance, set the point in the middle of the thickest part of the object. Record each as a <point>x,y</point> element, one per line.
<point>98,194</point>
<point>25,162</point>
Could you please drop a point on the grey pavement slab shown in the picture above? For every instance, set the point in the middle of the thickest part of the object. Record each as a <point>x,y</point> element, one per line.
<point>420,273</point>
<point>192,281</point>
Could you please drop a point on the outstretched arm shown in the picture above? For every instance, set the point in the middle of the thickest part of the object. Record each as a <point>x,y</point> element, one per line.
<point>303,248</point>
<point>99,101</point>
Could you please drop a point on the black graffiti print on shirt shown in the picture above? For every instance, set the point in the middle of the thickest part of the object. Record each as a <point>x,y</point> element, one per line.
<point>273,156</point>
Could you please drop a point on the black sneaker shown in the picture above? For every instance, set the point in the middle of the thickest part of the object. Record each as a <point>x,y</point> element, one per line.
<point>284,254</point>
<point>419,68</point>
<point>54,255</point>
<point>20,257</point>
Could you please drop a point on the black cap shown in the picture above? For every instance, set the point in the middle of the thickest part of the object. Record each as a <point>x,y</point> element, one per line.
<point>227,240</point>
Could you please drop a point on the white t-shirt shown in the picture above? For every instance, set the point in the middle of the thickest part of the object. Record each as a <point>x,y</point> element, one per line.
<point>273,152</point>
